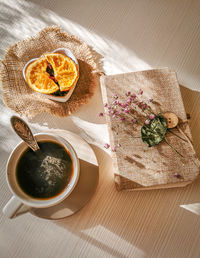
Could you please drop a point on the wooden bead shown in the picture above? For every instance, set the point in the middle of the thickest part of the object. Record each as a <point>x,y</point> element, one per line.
<point>172,119</point>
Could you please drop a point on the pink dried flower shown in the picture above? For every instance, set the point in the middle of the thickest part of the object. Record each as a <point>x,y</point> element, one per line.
<point>115,96</point>
<point>133,120</point>
<point>128,93</point>
<point>177,175</point>
<point>140,91</point>
<point>115,115</point>
<point>113,149</point>
<point>147,122</point>
<point>106,104</point>
<point>129,100</point>
<point>133,95</point>
<point>124,105</point>
<point>106,146</point>
<point>127,110</point>
<point>150,100</point>
<point>139,104</point>
<point>151,116</point>
<point>101,114</point>
<point>116,102</point>
<point>119,145</point>
<point>122,118</point>
<point>144,106</point>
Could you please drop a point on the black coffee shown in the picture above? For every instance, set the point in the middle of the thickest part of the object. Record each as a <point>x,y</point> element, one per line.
<point>45,173</point>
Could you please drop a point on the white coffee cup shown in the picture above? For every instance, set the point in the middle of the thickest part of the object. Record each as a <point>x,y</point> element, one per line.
<point>20,198</point>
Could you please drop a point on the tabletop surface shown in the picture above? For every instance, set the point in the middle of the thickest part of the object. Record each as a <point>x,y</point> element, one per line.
<point>130,36</point>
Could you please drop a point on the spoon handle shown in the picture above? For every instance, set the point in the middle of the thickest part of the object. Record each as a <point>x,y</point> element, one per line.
<point>24,132</point>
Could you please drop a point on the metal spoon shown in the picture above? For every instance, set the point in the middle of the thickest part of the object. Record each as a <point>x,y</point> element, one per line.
<point>24,132</point>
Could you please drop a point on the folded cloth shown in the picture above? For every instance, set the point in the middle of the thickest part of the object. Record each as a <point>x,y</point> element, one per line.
<point>136,165</point>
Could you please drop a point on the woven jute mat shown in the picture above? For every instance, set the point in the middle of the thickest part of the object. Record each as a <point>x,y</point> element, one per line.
<point>23,100</point>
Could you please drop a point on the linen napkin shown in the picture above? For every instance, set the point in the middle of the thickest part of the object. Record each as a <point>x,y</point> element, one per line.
<point>138,166</point>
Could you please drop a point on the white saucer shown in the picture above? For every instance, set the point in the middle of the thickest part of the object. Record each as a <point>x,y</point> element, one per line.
<point>86,186</point>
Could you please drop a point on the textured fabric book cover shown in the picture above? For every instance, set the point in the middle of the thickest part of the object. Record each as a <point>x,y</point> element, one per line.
<point>136,165</point>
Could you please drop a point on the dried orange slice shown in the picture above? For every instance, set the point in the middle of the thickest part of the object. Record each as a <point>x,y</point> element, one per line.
<point>38,79</point>
<point>65,70</point>
<point>65,73</point>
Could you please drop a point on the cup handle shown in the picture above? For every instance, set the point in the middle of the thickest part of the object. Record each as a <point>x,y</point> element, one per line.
<point>12,207</point>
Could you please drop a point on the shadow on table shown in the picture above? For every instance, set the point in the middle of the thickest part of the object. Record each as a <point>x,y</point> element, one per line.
<point>191,100</point>
<point>148,219</point>
<point>127,216</point>
<point>151,42</point>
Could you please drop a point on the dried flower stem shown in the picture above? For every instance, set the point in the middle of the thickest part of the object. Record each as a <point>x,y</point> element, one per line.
<point>177,135</point>
<point>173,148</point>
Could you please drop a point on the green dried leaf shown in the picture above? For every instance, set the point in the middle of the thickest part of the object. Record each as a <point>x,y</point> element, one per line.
<point>154,133</point>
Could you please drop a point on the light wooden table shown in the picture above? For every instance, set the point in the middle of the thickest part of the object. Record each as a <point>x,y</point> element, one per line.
<point>131,36</point>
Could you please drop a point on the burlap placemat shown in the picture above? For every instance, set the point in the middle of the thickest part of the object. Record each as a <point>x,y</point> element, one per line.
<point>20,98</point>
<point>138,166</point>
